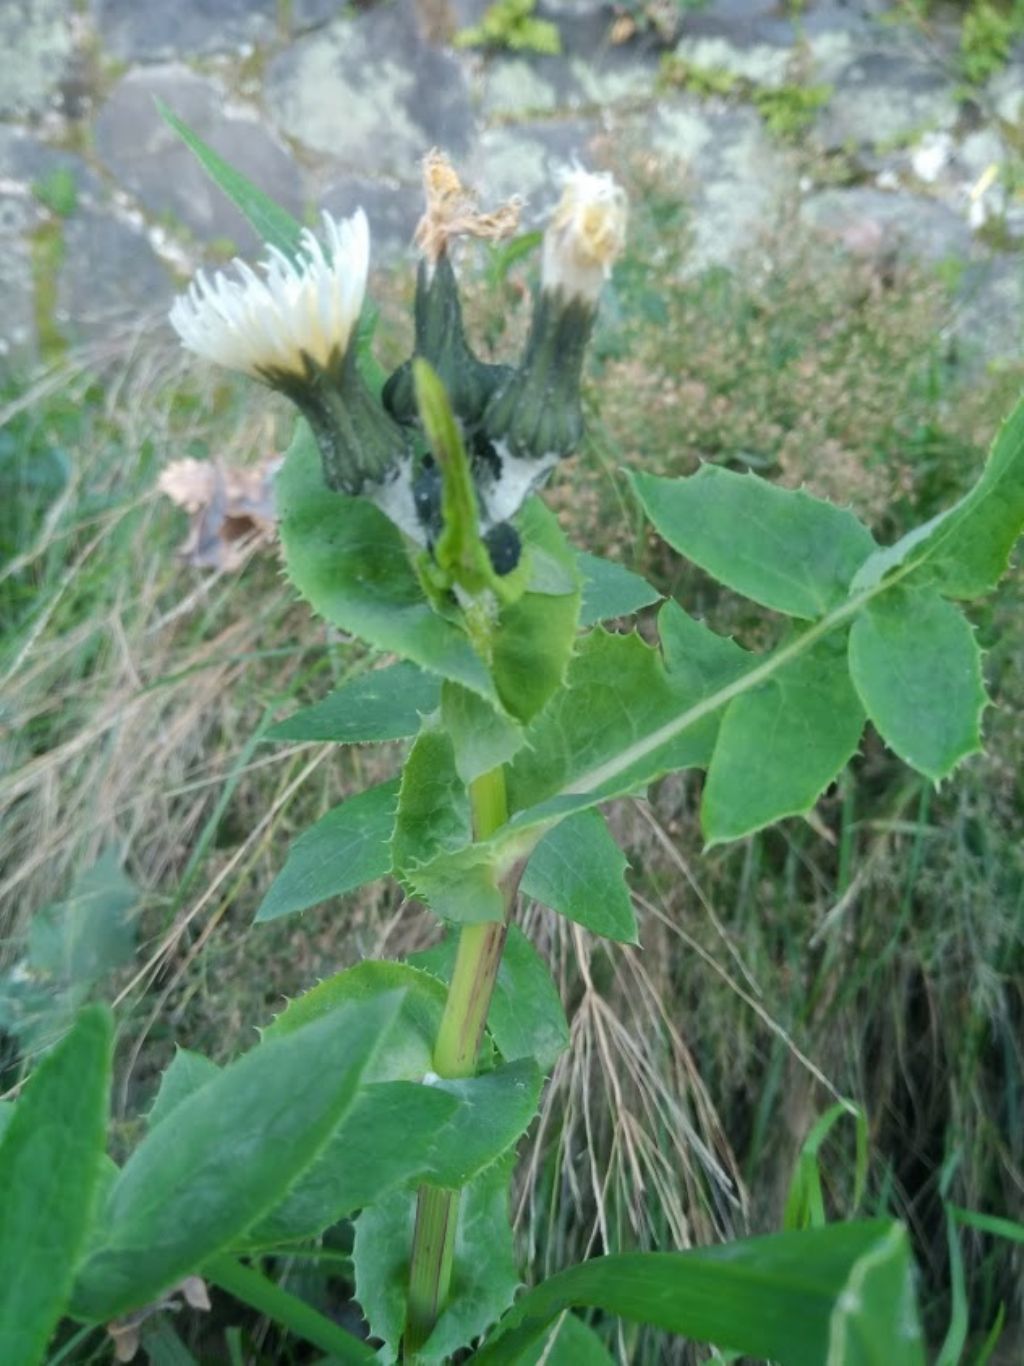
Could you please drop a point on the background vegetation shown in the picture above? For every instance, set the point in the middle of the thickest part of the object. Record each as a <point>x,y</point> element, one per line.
<point>873,954</point>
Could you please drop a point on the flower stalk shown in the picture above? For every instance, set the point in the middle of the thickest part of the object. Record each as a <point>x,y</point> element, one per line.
<point>477,961</point>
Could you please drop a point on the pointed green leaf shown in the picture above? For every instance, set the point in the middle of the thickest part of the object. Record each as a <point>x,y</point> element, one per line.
<point>526,1018</point>
<point>445,1143</point>
<point>350,563</point>
<point>536,633</point>
<point>611,591</point>
<point>917,667</point>
<point>783,549</point>
<point>344,850</point>
<point>620,692</point>
<point>484,1276</point>
<point>275,225</point>
<point>384,1141</point>
<point>382,704</point>
<point>781,744</point>
<point>823,1297</point>
<point>964,551</point>
<point>483,738</point>
<point>193,1186</point>
<point>495,1109</point>
<point>569,1342</point>
<point>433,819</point>
<point>433,804</point>
<point>50,1159</point>
<point>406,1053</point>
<point>578,870</point>
<point>183,1076</point>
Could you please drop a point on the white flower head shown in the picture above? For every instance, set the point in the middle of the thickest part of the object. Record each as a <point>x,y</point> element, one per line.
<point>295,312</point>
<point>585,236</point>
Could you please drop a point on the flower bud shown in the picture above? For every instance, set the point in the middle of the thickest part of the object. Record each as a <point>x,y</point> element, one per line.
<point>535,419</point>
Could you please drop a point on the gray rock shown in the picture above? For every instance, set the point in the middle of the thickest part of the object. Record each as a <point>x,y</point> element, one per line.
<point>874,222</point>
<point>372,93</point>
<point>135,31</point>
<point>1006,91</point>
<point>738,174</point>
<point>152,162</point>
<point>393,211</point>
<point>590,72</point>
<point>883,97</point>
<point>307,14</point>
<point>989,317</point>
<point>19,214</point>
<point>980,150</point>
<point>530,160</point>
<point>518,88</point>
<point>111,277</point>
<point>35,40</point>
<point>32,163</point>
<point>765,64</point>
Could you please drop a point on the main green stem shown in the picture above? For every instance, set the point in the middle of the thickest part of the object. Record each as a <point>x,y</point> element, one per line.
<point>458,1042</point>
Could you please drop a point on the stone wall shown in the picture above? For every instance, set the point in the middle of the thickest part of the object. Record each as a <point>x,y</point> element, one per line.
<point>323,103</point>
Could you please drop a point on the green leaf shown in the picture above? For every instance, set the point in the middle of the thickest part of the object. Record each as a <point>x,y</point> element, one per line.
<point>578,870</point>
<point>402,1134</point>
<point>964,552</point>
<point>49,1164</point>
<point>482,738</point>
<point>611,731</point>
<point>536,633</point>
<point>350,563</point>
<point>780,745</point>
<point>384,1141</point>
<point>443,1133</point>
<point>434,818</point>
<point>917,667</point>
<point>495,1109</point>
<point>526,1019</point>
<point>433,804</point>
<point>192,1187</point>
<point>90,933</point>
<point>570,1342</point>
<point>783,549</point>
<point>619,691</point>
<point>183,1076</point>
<point>610,591</point>
<point>484,1276</point>
<point>805,1200</point>
<point>407,1051</point>
<point>382,704</point>
<point>163,1346</point>
<point>275,225</point>
<point>818,1298</point>
<point>344,850</point>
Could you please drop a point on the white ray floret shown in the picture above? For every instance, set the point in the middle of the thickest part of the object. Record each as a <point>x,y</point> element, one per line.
<point>267,324</point>
<point>585,236</point>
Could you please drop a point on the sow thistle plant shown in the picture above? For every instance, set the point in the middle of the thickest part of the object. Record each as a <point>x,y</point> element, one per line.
<point>393,1095</point>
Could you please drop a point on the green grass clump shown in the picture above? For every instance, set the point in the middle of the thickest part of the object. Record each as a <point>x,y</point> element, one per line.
<point>789,110</point>
<point>511,25</point>
<point>704,81</point>
<point>986,38</point>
